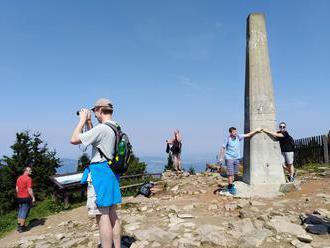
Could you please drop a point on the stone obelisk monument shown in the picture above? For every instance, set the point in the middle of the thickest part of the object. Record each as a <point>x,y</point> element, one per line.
<point>262,155</point>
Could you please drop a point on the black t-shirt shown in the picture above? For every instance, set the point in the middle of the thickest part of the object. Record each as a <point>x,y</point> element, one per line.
<point>286,142</point>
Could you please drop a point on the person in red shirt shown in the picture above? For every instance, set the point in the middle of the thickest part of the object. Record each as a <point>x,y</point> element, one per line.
<point>25,197</point>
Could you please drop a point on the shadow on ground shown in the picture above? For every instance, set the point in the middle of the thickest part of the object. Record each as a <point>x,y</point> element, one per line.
<point>36,222</point>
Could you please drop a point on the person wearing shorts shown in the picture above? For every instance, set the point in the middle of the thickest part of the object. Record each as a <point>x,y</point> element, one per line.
<point>25,198</point>
<point>287,149</point>
<point>103,191</point>
<point>231,154</point>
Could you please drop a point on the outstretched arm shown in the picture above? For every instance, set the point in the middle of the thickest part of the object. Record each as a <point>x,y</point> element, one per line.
<point>275,135</point>
<point>250,134</point>
<point>222,154</point>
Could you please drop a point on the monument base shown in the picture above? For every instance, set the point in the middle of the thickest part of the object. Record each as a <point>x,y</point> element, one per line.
<point>264,190</point>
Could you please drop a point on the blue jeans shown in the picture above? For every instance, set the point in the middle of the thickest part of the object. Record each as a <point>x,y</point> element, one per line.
<point>23,210</point>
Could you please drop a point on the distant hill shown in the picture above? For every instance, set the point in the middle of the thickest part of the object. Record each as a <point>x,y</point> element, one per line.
<point>67,166</point>
<point>155,164</point>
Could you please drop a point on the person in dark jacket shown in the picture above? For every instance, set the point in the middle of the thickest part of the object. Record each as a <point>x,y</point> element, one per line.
<point>176,144</point>
<point>287,149</point>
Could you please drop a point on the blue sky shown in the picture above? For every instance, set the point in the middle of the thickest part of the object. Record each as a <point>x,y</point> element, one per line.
<point>164,64</point>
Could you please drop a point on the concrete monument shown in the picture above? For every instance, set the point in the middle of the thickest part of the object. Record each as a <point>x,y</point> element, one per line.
<point>262,155</point>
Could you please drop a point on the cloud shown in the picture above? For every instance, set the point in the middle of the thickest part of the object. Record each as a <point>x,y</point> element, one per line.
<point>186,81</point>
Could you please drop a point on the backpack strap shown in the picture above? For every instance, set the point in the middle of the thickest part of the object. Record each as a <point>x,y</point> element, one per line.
<point>116,131</point>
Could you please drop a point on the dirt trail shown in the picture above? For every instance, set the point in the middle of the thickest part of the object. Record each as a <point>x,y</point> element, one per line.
<point>314,194</point>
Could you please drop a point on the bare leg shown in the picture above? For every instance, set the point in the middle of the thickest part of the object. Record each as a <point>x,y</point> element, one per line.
<point>21,222</point>
<point>179,161</point>
<point>291,169</point>
<point>105,230</point>
<point>230,180</point>
<point>115,227</point>
<point>175,162</point>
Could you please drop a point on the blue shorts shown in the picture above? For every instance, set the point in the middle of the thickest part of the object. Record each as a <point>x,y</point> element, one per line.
<point>23,210</point>
<point>232,166</point>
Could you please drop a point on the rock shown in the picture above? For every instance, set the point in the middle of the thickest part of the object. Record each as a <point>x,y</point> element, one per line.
<point>60,236</point>
<point>187,242</point>
<point>185,216</point>
<point>242,203</point>
<point>263,217</point>
<point>305,238</point>
<point>173,208</point>
<point>174,220</point>
<point>255,239</point>
<point>175,188</point>
<point>212,207</point>
<point>131,227</point>
<point>323,195</point>
<point>155,244</point>
<point>185,174</point>
<point>27,244</point>
<point>245,214</point>
<point>154,234</point>
<point>212,234</point>
<point>296,243</point>
<point>140,244</point>
<point>256,203</point>
<point>143,208</point>
<point>323,212</point>
<point>189,207</point>
<point>281,225</point>
<point>230,206</point>
<point>244,226</point>
<point>289,187</point>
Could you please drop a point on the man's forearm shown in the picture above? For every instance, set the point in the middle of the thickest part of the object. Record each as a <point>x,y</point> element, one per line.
<point>31,193</point>
<point>222,152</point>
<point>89,124</point>
<point>248,135</point>
<point>77,131</point>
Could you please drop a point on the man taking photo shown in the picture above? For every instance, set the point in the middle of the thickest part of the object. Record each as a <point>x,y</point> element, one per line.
<point>104,181</point>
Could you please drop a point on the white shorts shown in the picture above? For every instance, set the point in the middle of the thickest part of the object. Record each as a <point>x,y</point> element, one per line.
<point>93,209</point>
<point>287,158</point>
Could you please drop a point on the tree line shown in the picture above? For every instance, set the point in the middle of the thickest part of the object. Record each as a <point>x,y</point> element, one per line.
<point>30,150</point>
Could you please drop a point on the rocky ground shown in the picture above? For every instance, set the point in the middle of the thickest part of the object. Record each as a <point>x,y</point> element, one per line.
<point>190,213</point>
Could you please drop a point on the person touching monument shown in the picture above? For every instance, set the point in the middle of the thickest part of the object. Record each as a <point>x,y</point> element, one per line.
<point>230,153</point>
<point>287,149</point>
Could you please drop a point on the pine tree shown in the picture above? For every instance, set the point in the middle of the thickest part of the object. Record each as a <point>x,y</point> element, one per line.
<point>28,150</point>
<point>170,164</point>
<point>135,166</point>
<point>83,162</point>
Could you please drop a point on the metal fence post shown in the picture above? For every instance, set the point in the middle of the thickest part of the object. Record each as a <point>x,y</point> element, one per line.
<point>325,149</point>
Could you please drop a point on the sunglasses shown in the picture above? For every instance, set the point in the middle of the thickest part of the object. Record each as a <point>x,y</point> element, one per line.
<point>282,126</point>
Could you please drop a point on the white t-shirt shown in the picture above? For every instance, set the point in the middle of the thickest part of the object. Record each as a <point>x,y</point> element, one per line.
<point>101,136</point>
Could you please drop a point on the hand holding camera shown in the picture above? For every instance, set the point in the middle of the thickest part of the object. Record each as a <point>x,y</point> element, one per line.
<point>84,115</point>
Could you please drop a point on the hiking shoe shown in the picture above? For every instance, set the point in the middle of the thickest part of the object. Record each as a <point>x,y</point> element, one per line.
<point>291,179</point>
<point>225,192</point>
<point>228,192</point>
<point>21,229</point>
<point>233,190</point>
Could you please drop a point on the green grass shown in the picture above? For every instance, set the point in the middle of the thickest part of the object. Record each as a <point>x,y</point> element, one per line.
<point>40,211</point>
<point>48,207</point>
<point>313,167</point>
